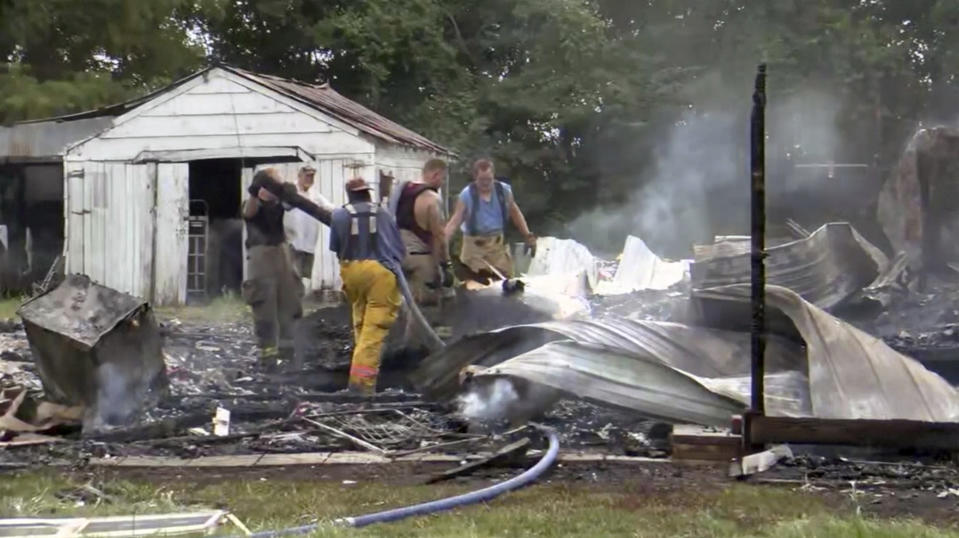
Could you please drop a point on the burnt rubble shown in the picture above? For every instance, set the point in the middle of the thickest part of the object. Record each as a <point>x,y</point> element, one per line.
<point>215,366</point>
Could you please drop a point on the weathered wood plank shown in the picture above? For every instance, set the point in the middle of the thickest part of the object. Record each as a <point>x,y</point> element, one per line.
<point>886,433</point>
<point>201,102</point>
<point>125,149</point>
<point>172,211</point>
<point>217,124</point>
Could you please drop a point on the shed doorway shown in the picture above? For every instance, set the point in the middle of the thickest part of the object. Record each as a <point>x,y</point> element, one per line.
<point>214,229</point>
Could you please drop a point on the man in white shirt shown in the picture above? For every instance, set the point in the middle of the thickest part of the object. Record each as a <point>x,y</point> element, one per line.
<point>301,229</point>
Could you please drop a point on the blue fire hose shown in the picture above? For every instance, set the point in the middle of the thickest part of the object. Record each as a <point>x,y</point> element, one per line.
<point>482,495</point>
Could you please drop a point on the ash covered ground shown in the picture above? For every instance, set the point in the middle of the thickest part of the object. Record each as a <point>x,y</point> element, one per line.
<point>213,365</point>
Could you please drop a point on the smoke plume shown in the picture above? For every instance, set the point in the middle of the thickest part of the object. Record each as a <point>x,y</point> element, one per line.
<point>696,184</point>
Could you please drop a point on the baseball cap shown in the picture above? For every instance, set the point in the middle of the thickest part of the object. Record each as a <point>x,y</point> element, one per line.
<point>358,184</point>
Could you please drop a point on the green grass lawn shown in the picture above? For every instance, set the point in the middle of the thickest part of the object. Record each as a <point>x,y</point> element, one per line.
<point>227,308</point>
<point>9,306</point>
<point>550,509</point>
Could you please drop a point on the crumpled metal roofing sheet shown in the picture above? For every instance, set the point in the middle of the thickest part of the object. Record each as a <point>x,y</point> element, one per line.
<point>695,350</point>
<point>641,269</point>
<point>826,268</point>
<point>852,375</point>
<point>621,379</point>
<point>696,374</point>
<point>563,256</point>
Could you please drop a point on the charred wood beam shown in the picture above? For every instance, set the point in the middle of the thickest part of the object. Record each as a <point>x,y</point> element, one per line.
<point>876,433</point>
<point>758,238</point>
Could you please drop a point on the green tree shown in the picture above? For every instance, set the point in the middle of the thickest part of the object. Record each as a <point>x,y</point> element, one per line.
<point>64,56</point>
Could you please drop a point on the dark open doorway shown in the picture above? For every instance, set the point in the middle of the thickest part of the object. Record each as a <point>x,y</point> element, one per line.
<point>31,223</point>
<point>215,262</point>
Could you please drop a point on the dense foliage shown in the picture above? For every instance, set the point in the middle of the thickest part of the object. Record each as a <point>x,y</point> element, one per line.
<point>573,98</point>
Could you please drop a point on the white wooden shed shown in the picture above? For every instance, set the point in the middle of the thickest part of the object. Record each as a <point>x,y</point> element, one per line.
<point>128,188</point>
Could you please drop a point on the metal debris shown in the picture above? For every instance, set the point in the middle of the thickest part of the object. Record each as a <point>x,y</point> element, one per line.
<point>98,348</point>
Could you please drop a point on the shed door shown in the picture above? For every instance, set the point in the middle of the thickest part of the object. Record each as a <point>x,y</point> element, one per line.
<point>109,230</point>
<point>172,213</point>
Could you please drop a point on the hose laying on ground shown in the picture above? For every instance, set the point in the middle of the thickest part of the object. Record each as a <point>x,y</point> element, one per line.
<point>485,494</point>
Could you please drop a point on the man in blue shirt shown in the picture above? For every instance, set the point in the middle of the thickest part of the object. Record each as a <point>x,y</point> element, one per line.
<point>482,211</point>
<point>365,239</point>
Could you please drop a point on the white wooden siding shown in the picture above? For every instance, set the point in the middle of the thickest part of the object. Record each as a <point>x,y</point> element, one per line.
<point>113,207</point>
<point>110,224</point>
<point>172,211</point>
<point>127,149</point>
<point>221,111</point>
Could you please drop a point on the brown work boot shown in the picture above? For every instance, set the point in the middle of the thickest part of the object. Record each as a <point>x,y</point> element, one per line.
<point>361,388</point>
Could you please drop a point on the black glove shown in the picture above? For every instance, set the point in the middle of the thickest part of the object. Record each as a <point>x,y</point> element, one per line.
<point>275,187</point>
<point>254,188</point>
<point>446,274</point>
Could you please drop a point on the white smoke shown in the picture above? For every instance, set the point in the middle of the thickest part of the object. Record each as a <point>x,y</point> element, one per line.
<point>697,184</point>
<point>488,402</point>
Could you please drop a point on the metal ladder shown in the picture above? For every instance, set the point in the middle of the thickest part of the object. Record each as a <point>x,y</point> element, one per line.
<point>198,230</point>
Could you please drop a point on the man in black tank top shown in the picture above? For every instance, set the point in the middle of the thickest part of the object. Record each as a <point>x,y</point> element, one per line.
<point>420,219</point>
<point>272,289</point>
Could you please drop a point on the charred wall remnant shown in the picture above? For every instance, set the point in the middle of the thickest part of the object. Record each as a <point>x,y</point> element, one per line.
<point>96,347</point>
<point>919,203</point>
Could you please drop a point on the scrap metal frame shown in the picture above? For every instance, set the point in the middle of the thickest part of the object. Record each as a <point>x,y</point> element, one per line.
<point>758,429</point>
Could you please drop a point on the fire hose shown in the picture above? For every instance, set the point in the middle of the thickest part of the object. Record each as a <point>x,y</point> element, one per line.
<point>527,477</point>
<point>473,497</point>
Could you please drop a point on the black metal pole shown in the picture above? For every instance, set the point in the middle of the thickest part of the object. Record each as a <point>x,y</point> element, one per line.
<point>758,235</point>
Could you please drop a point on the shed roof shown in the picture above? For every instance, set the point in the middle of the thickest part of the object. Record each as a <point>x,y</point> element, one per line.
<point>325,99</point>
<point>321,97</point>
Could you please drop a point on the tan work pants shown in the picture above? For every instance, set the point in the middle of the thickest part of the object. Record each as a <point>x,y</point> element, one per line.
<point>273,290</point>
<point>481,251</point>
<point>420,269</point>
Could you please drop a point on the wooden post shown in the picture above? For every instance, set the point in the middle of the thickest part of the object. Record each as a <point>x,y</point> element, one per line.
<point>758,238</point>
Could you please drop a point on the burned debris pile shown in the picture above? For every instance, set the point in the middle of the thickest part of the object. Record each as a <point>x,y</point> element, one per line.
<point>221,402</point>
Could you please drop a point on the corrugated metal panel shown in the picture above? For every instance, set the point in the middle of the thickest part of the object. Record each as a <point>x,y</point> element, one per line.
<point>607,375</point>
<point>825,268</point>
<point>641,269</point>
<point>901,211</point>
<point>48,139</point>
<point>852,375</point>
<point>674,372</point>
<point>694,350</point>
<point>559,256</point>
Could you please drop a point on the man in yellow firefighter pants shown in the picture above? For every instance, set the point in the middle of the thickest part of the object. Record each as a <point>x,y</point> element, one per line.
<point>365,239</point>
